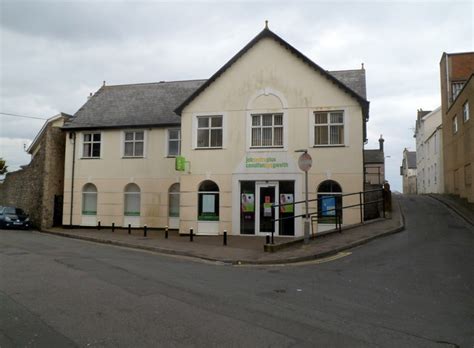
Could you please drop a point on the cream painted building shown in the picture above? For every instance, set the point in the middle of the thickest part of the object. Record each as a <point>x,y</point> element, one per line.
<point>236,134</point>
<point>429,158</point>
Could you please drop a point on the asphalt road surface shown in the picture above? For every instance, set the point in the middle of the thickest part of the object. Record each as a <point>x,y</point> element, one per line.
<point>411,289</point>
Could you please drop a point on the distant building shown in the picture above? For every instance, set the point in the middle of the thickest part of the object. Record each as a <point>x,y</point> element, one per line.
<point>408,171</point>
<point>429,159</point>
<point>457,101</point>
<point>374,165</point>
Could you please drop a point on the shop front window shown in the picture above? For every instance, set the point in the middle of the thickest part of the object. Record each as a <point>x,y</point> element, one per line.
<point>208,201</point>
<point>329,202</point>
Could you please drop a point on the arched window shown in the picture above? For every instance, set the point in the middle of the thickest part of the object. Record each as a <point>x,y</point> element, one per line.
<point>329,202</point>
<point>132,200</point>
<point>208,201</point>
<point>89,199</point>
<point>173,200</point>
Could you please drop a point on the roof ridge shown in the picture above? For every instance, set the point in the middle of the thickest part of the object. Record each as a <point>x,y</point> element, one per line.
<point>330,71</point>
<point>152,83</point>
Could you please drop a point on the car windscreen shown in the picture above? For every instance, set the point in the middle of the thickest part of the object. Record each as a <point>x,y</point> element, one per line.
<point>11,210</point>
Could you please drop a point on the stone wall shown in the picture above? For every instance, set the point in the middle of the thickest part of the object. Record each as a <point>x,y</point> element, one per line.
<point>24,188</point>
<point>53,172</point>
<point>375,210</point>
<point>34,187</point>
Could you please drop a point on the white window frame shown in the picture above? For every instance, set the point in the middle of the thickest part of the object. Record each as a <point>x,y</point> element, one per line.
<point>455,124</point>
<point>313,125</point>
<point>223,115</point>
<point>465,111</point>
<point>168,139</point>
<point>272,126</point>
<point>127,195</point>
<point>84,200</point>
<point>134,141</point>
<point>92,142</point>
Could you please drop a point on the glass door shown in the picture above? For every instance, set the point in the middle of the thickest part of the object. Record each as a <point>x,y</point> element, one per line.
<point>266,213</point>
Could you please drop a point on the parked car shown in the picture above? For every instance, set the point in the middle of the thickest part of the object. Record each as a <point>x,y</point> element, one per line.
<point>12,217</point>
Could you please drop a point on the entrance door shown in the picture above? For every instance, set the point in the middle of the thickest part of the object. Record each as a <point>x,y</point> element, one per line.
<point>58,210</point>
<point>266,193</point>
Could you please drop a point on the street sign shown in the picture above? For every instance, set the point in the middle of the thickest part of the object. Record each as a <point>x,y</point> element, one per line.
<point>305,162</point>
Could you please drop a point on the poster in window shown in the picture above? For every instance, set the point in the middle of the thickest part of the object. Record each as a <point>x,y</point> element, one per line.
<point>286,198</point>
<point>267,209</point>
<point>328,206</point>
<point>248,202</point>
<point>208,203</point>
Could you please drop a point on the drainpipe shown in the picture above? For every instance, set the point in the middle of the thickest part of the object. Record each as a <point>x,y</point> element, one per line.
<point>72,175</point>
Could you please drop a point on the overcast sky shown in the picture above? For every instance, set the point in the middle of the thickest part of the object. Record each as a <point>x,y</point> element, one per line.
<point>54,53</point>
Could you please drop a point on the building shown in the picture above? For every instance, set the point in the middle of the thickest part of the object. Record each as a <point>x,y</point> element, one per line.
<point>38,187</point>
<point>408,172</point>
<point>215,154</point>
<point>374,165</point>
<point>457,100</point>
<point>429,149</point>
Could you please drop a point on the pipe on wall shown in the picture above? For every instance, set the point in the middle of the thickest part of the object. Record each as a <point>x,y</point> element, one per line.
<point>72,175</point>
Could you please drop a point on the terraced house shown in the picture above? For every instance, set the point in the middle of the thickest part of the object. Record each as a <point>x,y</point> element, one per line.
<point>215,154</point>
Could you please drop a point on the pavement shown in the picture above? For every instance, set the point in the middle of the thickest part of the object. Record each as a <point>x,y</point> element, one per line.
<point>243,249</point>
<point>458,205</point>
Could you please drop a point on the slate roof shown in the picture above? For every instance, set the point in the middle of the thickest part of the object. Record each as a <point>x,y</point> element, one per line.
<point>136,105</point>
<point>411,159</point>
<point>354,79</point>
<point>374,156</point>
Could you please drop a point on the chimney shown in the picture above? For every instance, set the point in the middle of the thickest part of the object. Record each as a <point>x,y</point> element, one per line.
<point>381,140</point>
<point>90,96</point>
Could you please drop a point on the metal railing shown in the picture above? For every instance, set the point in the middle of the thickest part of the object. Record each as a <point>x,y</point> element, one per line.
<point>316,215</point>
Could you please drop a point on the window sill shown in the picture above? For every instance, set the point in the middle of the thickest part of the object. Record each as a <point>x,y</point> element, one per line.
<point>172,156</point>
<point>266,147</point>
<point>320,146</point>
<point>90,158</point>
<point>133,157</point>
<point>208,148</point>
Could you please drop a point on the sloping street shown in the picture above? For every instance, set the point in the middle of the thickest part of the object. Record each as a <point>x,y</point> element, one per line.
<point>411,289</point>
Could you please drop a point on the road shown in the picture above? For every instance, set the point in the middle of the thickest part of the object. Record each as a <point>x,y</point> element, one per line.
<point>411,289</point>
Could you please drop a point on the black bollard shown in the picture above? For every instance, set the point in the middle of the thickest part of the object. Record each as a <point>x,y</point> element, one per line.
<point>267,239</point>
<point>144,231</point>
<point>225,237</point>
<point>98,225</point>
<point>273,241</point>
<point>166,232</point>
<point>113,226</point>
<point>191,234</point>
<point>129,229</point>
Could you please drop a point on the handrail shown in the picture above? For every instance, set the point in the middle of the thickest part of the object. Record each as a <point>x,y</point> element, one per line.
<point>338,210</point>
<point>327,194</point>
